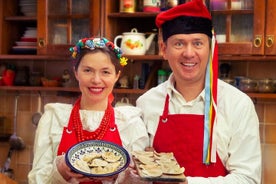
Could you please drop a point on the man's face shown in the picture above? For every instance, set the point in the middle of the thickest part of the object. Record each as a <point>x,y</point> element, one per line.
<point>188,56</point>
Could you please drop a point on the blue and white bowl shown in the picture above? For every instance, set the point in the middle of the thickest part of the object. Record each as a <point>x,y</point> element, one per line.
<point>77,151</point>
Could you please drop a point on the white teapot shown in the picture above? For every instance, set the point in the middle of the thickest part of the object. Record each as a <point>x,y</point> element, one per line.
<point>134,43</point>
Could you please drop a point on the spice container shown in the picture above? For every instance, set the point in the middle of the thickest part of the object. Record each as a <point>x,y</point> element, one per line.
<point>127,6</point>
<point>265,86</point>
<point>248,85</point>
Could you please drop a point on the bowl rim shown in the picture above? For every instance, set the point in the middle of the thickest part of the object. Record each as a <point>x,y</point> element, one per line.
<point>67,159</point>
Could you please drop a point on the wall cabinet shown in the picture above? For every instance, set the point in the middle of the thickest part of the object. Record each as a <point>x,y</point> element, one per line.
<point>247,28</point>
<point>60,24</point>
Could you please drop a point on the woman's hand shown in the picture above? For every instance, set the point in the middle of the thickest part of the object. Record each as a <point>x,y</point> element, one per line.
<point>68,174</point>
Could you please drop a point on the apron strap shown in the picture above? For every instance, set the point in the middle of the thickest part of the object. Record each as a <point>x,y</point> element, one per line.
<point>164,117</point>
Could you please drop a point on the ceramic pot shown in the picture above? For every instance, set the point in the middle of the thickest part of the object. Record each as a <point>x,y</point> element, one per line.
<point>134,43</point>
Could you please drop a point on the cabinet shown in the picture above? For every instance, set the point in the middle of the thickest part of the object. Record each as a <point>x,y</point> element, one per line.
<point>102,17</point>
<point>57,23</point>
<point>62,23</point>
<point>247,28</point>
<point>13,25</point>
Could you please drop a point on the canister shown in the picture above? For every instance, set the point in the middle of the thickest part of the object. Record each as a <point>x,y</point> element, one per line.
<point>151,5</point>
<point>127,6</point>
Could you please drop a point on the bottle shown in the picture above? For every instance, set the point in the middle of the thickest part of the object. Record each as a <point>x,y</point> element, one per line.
<point>162,76</point>
<point>136,82</point>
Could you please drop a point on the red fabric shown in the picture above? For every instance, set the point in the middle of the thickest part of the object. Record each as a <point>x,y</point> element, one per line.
<point>69,139</point>
<point>194,8</point>
<point>214,87</point>
<point>182,134</point>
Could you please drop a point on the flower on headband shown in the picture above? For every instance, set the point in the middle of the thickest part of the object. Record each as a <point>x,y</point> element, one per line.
<point>93,43</point>
<point>123,61</point>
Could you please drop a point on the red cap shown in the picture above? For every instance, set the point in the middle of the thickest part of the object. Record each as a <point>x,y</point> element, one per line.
<point>194,8</point>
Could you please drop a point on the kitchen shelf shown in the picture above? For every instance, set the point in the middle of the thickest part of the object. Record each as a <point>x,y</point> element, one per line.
<point>144,57</point>
<point>116,90</point>
<point>66,89</point>
<point>21,18</point>
<point>230,12</point>
<point>51,57</point>
<point>32,57</point>
<point>248,58</point>
<point>262,95</point>
<point>133,15</point>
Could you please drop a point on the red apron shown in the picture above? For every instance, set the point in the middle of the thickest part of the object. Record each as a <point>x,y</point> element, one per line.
<point>182,134</point>
<point>69,138</point>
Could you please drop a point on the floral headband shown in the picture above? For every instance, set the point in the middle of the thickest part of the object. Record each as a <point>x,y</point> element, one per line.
<point>93,43</point>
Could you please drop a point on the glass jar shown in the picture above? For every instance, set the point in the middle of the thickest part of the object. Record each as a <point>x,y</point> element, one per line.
<point>248,85</point>
<point>265,86</point>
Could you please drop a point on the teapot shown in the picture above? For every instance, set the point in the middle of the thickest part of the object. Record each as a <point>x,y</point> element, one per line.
<point>134,43</point>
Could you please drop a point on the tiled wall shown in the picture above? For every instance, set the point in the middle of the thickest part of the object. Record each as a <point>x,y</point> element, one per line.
<point>27,105</point>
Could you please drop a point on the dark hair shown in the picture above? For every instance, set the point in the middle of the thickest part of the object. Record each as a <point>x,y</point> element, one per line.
<point>104,50</point>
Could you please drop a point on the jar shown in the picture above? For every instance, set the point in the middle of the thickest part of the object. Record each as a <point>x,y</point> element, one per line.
<point>127,6</point>
<point>265,86</point>
<point>248,85</point>
<point>151,6</point>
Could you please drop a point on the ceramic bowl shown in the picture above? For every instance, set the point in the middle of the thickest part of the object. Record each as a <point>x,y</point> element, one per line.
<point>81,149</point>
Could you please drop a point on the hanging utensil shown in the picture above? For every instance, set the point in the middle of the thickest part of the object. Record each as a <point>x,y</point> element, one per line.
<point>16,143</point>
<point>36,116</point>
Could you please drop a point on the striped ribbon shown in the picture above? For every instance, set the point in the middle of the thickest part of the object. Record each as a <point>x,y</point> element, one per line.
<point>210,110</point>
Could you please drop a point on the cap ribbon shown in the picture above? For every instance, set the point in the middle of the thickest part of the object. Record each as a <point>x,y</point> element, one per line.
<point>209,145</point>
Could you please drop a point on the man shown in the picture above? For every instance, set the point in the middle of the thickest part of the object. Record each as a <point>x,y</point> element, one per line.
<point>211,127</point>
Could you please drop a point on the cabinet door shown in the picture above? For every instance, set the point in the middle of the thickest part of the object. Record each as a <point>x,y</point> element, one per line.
<point>270,30</point>
<point>234,25</point>
<point>64,22</point>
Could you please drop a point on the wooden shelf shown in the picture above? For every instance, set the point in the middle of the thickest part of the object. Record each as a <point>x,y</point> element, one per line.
<point>246,58</point>
<point>116,90</point>
<point>21,18</point>
<point>32,57</point>
<point>133,15</point>
<point>229,12</point>
<point>141,58</point>
<point>65,89</point>
<point>144,57</point>
<point>262,95</point>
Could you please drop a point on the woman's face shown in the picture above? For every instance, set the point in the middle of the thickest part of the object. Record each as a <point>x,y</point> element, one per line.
<point>96,76</point>
<point>187,55</point>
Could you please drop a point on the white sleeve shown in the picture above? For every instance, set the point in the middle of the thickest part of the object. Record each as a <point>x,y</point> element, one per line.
<point>131,127</point>
<point>46,143</point>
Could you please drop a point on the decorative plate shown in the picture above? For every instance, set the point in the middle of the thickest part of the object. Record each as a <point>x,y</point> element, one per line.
<point>90,158</point>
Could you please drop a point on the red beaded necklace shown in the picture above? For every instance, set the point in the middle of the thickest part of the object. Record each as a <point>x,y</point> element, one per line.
<point>83,135</point>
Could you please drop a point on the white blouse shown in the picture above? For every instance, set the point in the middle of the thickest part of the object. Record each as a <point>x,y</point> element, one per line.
<point>50,128</point>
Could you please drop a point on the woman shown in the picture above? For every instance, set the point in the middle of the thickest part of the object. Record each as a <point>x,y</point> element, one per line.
<point>97,67</point>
